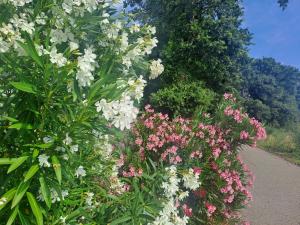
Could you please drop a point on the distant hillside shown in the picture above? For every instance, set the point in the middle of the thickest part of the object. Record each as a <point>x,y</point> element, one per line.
<point>271,91</point>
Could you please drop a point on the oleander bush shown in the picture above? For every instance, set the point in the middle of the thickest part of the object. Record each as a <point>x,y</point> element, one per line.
<point>71,77</point>
<point>194,164</point>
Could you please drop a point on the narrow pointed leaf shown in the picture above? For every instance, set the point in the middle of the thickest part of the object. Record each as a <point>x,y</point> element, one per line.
<point>45,192</point>
<point>13,216</point>
<point>8,196</point>
<point>23,86</point>
<point>31,172</point>
<point>20,193</point>
<point>57,168</point>
<point>35,208</point>
<point>6,161</point>
<point>18,162</point>
<point>25,126</point>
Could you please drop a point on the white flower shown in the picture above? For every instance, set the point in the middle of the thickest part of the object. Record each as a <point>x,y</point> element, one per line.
<point>89,198</point>
<point>41,19</point>
<point>135,28</point>
<point>191,180</point>
<point>4,46</point>
<point>58,36</point>
<point>60,149</point>
<point>17,3</point>
<point>73,46</point>
<point>68,140</point>
<point>136,87</point>
<point>74,148</point>
<point>121,113</point>
<point>80,172</point>
<point>86,65</point>
<point>47,140</point>
<point>124,42</point>
<point>43,160</point>
<point>57,58</point>
<point>156,68</point>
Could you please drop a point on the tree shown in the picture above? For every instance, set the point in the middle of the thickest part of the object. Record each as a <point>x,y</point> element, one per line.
<point>199,40</point>
<point>271,91</point>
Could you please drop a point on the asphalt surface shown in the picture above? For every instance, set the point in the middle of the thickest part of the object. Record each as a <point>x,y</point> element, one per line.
<point>276,189</point>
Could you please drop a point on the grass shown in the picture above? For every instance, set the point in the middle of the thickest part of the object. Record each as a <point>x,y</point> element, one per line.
<point>284,143</point>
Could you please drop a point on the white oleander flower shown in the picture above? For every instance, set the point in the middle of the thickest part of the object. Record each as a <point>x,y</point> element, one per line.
<point>74,148</point>
<point>43,160</point>
<point>136,87</point>
<point>17,3</point>
<point>4,46</point>
<point>191,180</point>
<point>80,172</point>
<point>121,113</point>
<point>156,69</point>
<point>89,198</point>
<point>135,28</point>
<point>68,140</point>
<point>41,19</point>
<point>47,139</point>
<point>73,46</point>
<point>86,65</point>
<point>57,58</point>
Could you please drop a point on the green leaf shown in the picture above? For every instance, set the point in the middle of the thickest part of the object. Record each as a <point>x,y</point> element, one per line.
<point>35,208</point>
<point>23,219</point>
<point>8,196</point>
<point>121,220</point>
<point>31,172</point>
<point>20,193</point>
<point>57,168</point>
<point>18,162</point>
<point>13,216</point>
<point>23,86</point>
<point>21,126</point>
<point>6,161</point>
<point>29,48</point>
<point>8,118</point>
<point>45,192</point>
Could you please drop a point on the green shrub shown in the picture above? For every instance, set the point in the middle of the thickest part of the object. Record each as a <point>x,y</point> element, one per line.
<point>183,98</point>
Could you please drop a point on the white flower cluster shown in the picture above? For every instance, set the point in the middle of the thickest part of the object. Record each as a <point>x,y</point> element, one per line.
<point>55,197</point>
<point>17,3</point>
<point>80,172</point>
<point>156,69</point>
<point>86,65</point>
<point>68,141</point>
<point>57,58</point>
<point>89,5</point>
<point>191,180</point>
<point>169,215</point>
<point>136,88</point>
<point>11,33</point>
<point>121,113</point>
<point>43,160</point>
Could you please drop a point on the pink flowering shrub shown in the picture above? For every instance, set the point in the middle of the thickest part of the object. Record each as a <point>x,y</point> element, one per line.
<point>212,180</point>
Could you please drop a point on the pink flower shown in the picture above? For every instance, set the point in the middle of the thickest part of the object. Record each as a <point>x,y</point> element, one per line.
<point>187,211</point>
<point>139,141</point>
<point>197,170</point>
<point>244,135</point>
<point>210,209</point>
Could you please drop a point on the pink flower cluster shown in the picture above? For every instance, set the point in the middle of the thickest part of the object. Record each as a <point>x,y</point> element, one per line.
<point>133,172</point>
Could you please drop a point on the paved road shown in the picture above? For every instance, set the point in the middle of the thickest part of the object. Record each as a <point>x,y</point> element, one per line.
<point>276,190</point>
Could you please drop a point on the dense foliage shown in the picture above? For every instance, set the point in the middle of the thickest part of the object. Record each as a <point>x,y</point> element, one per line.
<point>196,172</point>
<point>70,75</point>
<point>200,41</point>
<point>272,91</point>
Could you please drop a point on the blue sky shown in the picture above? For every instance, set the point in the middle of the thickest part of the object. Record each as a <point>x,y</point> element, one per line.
<point>276,33</point>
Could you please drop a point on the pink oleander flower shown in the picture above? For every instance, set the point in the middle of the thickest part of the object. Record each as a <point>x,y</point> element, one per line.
<point>210,209</point>
<point>187,211</point>
<point>197,170</point>
<point>244,135</point>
